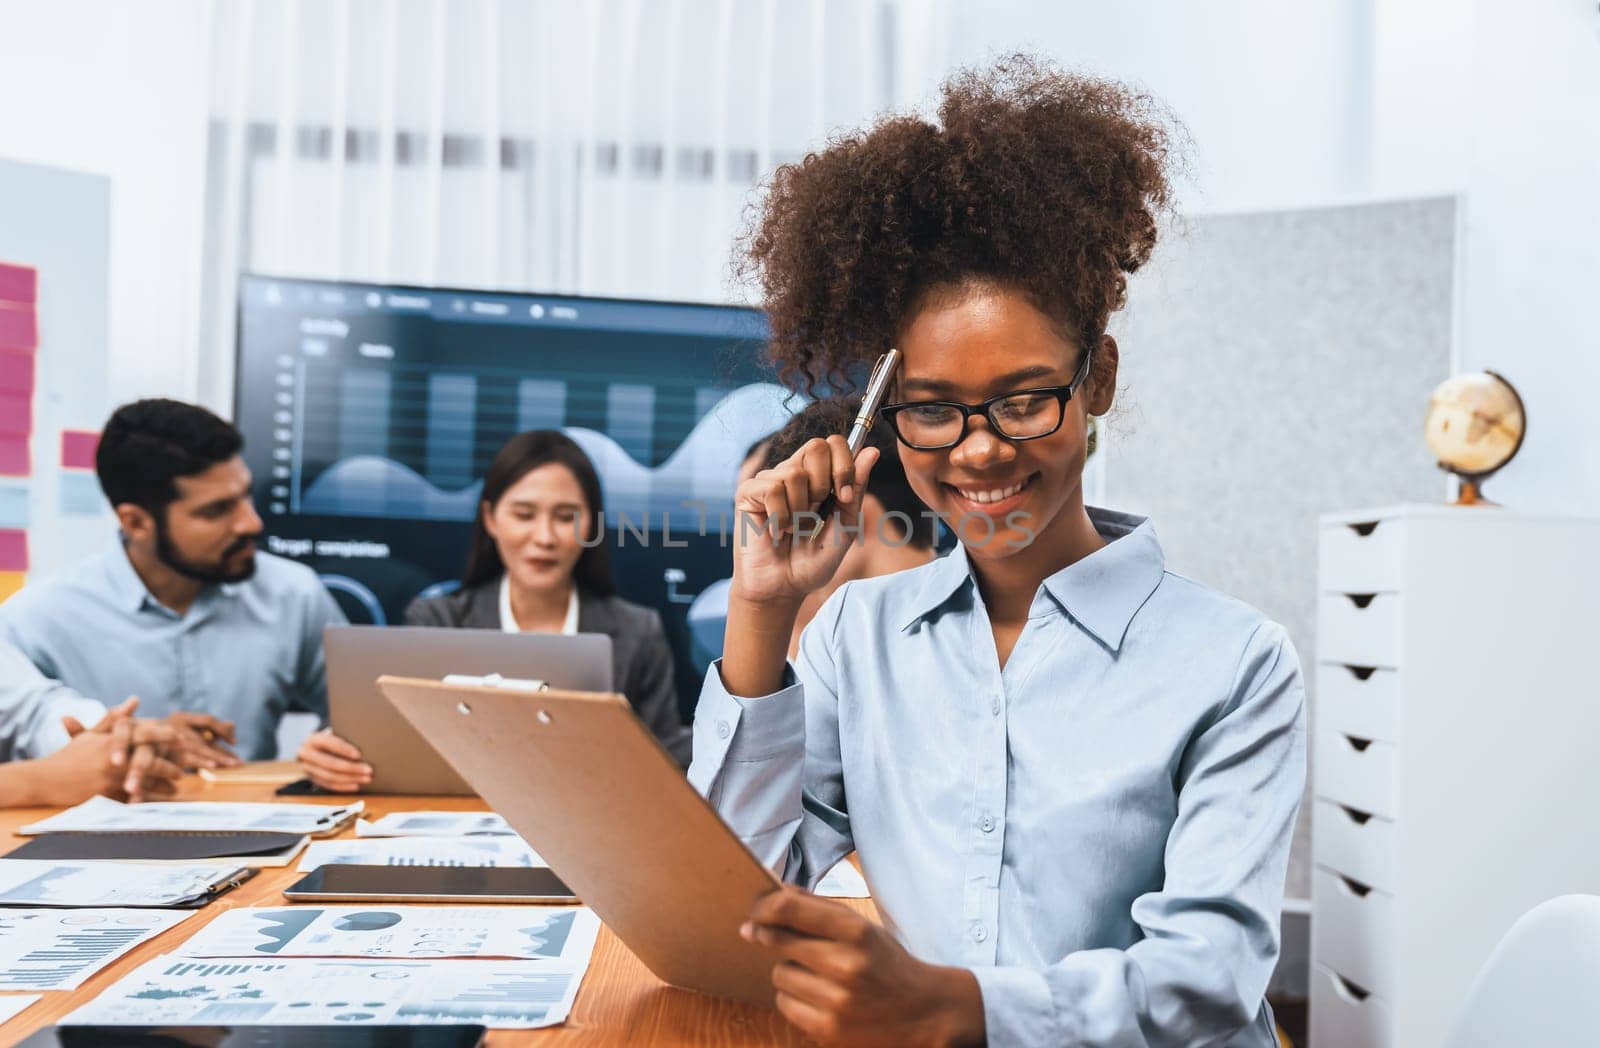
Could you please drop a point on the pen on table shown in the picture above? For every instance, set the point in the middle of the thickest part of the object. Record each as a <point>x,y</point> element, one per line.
<point>871,401</point>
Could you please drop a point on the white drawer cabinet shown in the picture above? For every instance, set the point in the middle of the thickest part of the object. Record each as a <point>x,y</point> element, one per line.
<point>1362,701</point>
<point>1359,556</point>
<point>1356,843</point>
<point>1359,629</point>
<point>1358,934</point>
<point>1356,771</point>
<point>1453,674</point>
<point>1343,1013</point>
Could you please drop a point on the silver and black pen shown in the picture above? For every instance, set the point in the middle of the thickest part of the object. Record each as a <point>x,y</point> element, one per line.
<point>877,388</point>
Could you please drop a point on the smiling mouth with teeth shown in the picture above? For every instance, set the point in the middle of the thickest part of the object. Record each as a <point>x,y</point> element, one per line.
<point>984,496</point>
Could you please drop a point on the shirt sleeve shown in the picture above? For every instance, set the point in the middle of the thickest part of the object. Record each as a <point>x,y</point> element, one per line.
<point>771,766</point>
<point>32,707</point>
<point>311,681</point>
<point>1210,935</point>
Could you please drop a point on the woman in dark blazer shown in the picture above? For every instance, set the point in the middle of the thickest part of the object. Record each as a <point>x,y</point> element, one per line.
<point>539,563</point>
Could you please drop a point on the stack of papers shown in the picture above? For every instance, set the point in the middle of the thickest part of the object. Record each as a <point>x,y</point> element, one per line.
<point>102,814</point>
<point>178,991</point>
<point>239,847</point>
<point>535,933</point>
<point>472,831</point>
<point>436,824</point>
<point>332,965</point>
<point>422,851</point>
<point>27,883</point>
<point>59,949</point>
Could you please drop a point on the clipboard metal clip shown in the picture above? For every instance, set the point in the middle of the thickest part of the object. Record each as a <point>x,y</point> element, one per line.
<point>494,680</point>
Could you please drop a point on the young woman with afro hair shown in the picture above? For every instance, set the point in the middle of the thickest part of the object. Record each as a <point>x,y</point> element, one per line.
<point>1070,775</point>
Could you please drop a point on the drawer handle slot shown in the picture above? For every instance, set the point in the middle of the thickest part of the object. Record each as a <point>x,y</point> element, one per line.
<point>1364,528</point>
<point>1361,672</point>
<point>1361,600</point>
<point>1350,991</point>
<point>1355,887</point>
<point>1358,744</point>
<point>1356,815</point>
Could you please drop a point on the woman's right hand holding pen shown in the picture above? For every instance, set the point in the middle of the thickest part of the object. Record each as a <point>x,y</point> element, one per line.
<point>780,555</point>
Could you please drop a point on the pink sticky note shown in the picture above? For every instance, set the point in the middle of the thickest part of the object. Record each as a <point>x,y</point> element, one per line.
<point>16,372</point>
<point>18,283</point>
<point>19,326</point>
<point>78,448</point>
<point>16,414</point>
<point>13,550</point>
<point>14,458</point>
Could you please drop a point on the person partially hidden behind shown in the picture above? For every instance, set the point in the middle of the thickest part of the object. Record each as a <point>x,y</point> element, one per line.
<point>896,531</point>
<point>539,563</point>
<point>119,757</point>
<point>1069,774</point>
<point>181,609</point>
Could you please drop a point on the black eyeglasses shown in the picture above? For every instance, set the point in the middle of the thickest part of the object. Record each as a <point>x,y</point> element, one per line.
<point>1023,414</point>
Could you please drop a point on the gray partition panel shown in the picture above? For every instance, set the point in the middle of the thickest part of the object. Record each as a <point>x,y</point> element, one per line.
<point>1274,367</point>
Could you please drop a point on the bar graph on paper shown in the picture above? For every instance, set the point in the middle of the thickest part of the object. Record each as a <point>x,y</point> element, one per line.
<point>48,949</point>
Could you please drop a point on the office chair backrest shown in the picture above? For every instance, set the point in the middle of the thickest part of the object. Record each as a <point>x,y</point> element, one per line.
<point>1541,985</point>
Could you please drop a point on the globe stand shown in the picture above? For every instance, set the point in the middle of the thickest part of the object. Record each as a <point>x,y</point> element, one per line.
<point>1471,492</point>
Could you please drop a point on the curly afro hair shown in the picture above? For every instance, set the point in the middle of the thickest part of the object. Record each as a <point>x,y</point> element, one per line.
<point>1033,179</point>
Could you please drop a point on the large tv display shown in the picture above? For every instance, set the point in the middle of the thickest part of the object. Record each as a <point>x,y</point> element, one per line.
<point>370,414</point>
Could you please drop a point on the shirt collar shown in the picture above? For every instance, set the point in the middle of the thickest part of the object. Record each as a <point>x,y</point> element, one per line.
<point>508,619</point>
<point>127,588</point>
<point>129,591</point>
<point>1102,592</point>
<point>941,581</point>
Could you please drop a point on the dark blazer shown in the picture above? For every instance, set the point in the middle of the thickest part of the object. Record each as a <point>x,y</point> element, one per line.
<point>641,660</point>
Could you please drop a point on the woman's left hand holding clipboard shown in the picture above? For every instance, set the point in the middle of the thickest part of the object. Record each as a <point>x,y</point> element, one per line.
<point>843,979</point>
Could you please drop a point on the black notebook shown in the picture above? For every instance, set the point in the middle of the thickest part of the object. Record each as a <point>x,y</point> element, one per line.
<point>174,845</point>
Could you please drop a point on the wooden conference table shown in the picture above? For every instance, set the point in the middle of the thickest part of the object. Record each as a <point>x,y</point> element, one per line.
<point>620,1001</point>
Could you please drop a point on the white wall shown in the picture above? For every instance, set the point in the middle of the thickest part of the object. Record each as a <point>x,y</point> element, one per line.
<point>1499,101</point>
<point>1274,95</point>
<point>119,90</point>
<point>1531,268</point>
<point>1338,101</point>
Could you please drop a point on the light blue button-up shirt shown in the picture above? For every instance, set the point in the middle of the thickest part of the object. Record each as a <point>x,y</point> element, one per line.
<point>31,708</point>
<point>1100,830</point>
<point>245,651</point>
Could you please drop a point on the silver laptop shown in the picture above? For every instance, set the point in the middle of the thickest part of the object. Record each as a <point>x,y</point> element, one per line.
<point>402,760</point>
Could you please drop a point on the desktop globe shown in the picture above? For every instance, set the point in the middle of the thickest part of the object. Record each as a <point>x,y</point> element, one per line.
<point>1474,426</point>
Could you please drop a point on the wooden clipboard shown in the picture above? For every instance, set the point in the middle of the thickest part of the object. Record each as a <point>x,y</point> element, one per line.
<point>586,784</point>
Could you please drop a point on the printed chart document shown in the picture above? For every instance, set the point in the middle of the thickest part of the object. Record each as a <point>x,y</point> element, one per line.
<point>562,936</point>
<point>844,881</point>
<point>59,949</point>
<point>306,992</point>
<point>27,883</point>
<point>103,813</point>
<point>436,824</point>
<point>12,1006</point>
<point>422,851</point>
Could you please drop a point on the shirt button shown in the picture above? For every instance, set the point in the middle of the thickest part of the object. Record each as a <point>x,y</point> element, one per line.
<point>986,824</point>
<point>723,731</point>
<point>994,706</point>
<point>979,933</point>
